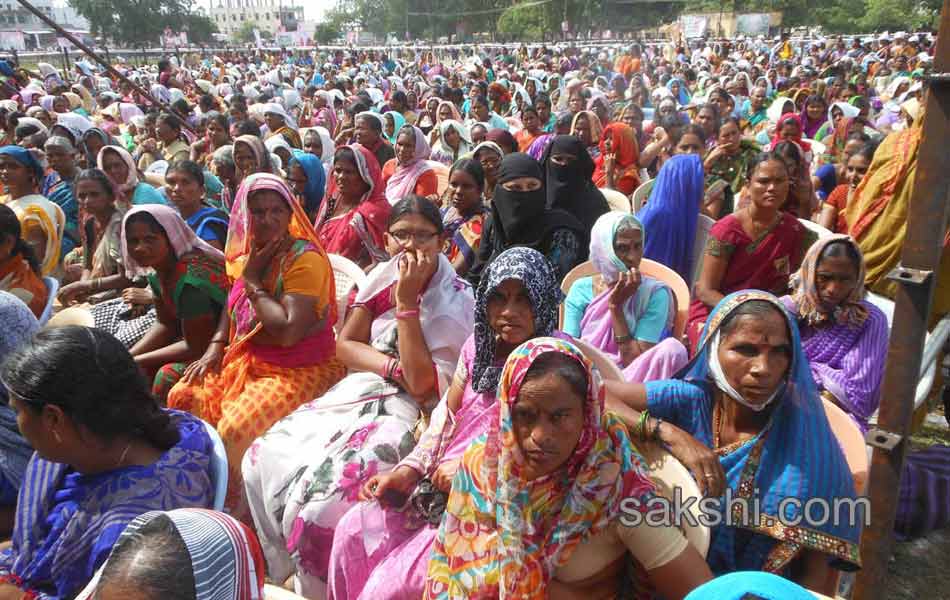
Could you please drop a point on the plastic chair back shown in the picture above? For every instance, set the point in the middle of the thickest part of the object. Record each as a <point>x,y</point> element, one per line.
<point>616,200</point>
<point>219,467</point>
<point>641,194</point>
<point>346,275</point>
<point>585,269</point>
<point>680,291</point>
<point>851,441</point>
<point>52,288</point>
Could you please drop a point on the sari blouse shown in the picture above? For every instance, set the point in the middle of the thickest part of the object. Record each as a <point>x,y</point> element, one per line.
<point>301,270</point>
<point>199,287</point>
<point>67,522</point>
<point>463,235</point>
<point>763,264</point>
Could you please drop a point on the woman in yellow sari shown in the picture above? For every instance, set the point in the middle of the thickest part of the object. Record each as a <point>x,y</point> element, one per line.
<point>877,214</point>
<point>274,347</point>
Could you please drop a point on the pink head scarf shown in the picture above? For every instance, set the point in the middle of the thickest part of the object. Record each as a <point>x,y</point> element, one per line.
<point>183,240</point>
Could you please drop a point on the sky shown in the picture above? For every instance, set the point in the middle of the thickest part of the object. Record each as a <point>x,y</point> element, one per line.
<point>313,9</point>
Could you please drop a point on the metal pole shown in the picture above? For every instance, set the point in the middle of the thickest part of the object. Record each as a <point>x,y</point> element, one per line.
<point>920,259</point>
<point>76,42</point>
<point>66,66</point>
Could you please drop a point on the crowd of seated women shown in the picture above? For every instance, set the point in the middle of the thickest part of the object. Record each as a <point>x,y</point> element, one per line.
<point>448,439</point>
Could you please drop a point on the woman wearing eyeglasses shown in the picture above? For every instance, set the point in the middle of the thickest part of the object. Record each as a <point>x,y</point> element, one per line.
<point>400,343</point>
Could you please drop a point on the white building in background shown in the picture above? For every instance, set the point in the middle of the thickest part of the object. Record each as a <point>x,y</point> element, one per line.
<point>22,30</point>
<point>267,15</point>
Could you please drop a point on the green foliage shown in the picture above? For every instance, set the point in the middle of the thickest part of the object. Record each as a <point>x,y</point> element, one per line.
<point>245,33</point>
<point>430,19</point>
<point>199,28</point>
<point>137,22</point>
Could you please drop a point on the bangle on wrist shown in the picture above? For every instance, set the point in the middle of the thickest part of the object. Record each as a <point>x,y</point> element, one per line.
<point>622,339</point>
<point>655,433</point>
<point>407,314</point>
<point>641,425</point>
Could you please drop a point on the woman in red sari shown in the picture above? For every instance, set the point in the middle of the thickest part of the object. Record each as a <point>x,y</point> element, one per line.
<point>756,247</point>
<point>618,167</point>
<point>352,220</point>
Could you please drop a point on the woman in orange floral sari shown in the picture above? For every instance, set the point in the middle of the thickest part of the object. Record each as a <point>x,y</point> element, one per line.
<point>274,347</point>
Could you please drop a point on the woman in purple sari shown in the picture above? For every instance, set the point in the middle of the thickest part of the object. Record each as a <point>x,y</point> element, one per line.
<point>624,314</point>
<point>381,548</point>
<point>843,335</point>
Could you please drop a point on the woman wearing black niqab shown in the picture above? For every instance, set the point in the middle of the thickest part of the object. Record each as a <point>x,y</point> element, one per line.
<point>568,171</point>
<point>520,217</point>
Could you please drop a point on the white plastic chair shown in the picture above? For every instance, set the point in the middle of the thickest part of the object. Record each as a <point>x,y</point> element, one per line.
<point>219,467</point>
<point>704,225</point>
<point>52,288</point>
<point>616,200</point>
<point>818,230</point>
<point>641,194</point>
<point>346,275</point>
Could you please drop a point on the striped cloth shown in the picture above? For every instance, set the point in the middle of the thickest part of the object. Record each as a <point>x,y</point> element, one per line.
<point>226,558</point>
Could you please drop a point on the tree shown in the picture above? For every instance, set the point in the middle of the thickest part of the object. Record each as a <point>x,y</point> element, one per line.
<point>200,28</point>
<point>245,34</point>
<point>134,22</point>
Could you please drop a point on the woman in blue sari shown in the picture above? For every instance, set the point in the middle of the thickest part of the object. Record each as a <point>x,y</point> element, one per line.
<point>307,176</point>
<point>671,212</point>
<point>748,395</point>
<point>105,454</point>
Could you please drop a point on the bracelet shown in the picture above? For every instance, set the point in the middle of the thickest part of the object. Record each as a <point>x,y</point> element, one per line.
<point>655,434</point>
<point>96,283</point>
<point>622,339</point>
<point>256,293</point>
<point>641,425</point>
<point>407,314</point>
<point>219,341</point>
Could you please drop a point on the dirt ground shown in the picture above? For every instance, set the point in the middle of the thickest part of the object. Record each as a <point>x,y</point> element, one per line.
<point>920,569</point>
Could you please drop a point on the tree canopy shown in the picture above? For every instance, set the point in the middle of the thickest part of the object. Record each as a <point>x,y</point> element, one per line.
<point>134,22</point>
<point>539,19</point>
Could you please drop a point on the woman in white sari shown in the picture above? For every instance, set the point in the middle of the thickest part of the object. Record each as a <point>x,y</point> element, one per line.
<point>401,343</point>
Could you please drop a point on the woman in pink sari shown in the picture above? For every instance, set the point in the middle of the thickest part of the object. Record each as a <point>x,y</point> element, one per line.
<point>624,314</point>
<point>381,548</point>
<point>352,219</point>
<point>410,172</point>
<point>757,247</point>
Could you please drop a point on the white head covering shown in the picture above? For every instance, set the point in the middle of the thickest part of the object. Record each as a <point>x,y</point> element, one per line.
<point>274,108</point>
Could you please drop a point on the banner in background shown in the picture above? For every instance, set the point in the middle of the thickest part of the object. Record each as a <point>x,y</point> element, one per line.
<point>694,26</point>
<point>753,24</point>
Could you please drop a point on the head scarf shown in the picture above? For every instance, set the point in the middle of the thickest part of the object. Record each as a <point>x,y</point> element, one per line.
<point>239,241</point>
<point>848,111</point>
<point>273,108</point>
<point>623,144</point>
<point>181,237</point>
<point>22,121</point>
<point>403,180</point>
<point>805,146</point>
<point>125,188</point>
<point>777,109</point>
<point>465,140</point>
<point>261,155</point>
<point>456,115</point>
<point>25,158</point>
<point>671,213</point>
<point>501,137</point>
<point>535,273</point>
<point>521,218</point>
<point>95,132</point>
<point>805,295</point>
<point>750,584</point>
<point>17,326</point>
<point>572,504</point>
<point>327,147</point>
<point>398,122</point>
<point>809,127</point>
<point>796,455</point>
<point>683,98</point>
<point>594,122</point>
<point>225,556</point>
<point>316,179</point>
<point>570,188</point>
